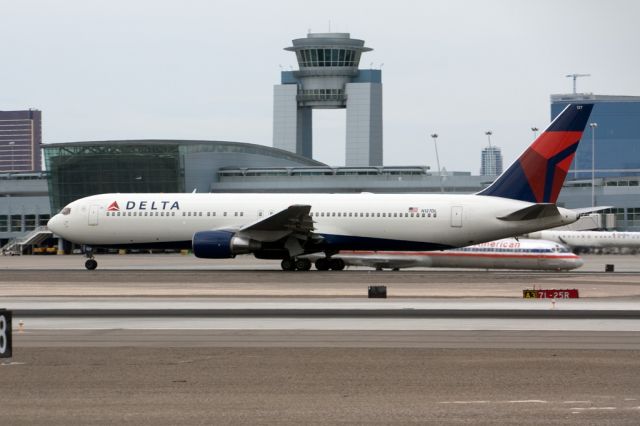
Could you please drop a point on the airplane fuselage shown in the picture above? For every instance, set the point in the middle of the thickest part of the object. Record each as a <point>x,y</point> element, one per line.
<point>507,253</point>
<point>345,221</point>
<point>591,239</point>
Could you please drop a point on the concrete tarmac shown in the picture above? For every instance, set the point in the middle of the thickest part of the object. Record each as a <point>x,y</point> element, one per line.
<point>506,368</point>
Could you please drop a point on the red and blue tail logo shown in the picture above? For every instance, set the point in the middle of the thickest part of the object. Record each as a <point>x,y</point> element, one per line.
<point>537,176</point>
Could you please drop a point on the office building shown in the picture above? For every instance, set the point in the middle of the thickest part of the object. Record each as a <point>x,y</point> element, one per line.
<point>20,140</point>
<point>616,135</point>
<point>491,161</point>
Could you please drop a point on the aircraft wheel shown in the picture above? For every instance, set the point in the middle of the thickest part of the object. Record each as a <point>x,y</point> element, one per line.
<point>395,269</point>
<point>378,268</point>
<point>336,264</point>
<point>91,264</point>
<point>322,264</point>
<point>303,264</point>
<point>288,265</point>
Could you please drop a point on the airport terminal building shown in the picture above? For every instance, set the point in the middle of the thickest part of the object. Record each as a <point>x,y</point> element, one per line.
<point>328,77</point>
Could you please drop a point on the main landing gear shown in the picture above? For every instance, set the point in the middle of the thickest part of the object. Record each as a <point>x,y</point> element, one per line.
<point>90,263</point>
<point>293,264</point>
<point>303,264</point>
<point>326,263</point>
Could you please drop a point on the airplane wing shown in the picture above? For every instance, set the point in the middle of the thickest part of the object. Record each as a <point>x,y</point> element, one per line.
<point>293,223</point>
<point>294,218</point>
<point>535,211</point>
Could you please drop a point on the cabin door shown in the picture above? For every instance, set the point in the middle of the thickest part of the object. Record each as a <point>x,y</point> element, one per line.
<point>456,216</point>
<point>93,215</point>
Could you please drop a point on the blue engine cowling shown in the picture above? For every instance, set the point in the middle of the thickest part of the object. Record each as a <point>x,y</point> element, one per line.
<point>221,244</point>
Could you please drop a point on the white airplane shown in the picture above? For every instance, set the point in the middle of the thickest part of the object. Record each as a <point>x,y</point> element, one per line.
<point>590,239</point>
<point>509,253</point>
<point>286,226</point>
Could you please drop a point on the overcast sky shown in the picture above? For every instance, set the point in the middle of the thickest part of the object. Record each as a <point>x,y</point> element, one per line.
<point>191,69</point>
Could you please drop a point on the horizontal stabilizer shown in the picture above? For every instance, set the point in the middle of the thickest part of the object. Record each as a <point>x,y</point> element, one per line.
<point>536,211</point>
<point>587,210</point>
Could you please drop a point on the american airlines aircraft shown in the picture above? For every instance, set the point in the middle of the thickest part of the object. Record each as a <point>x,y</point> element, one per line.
<point>286,226</point>
<point>508,253</point>
<point>591,239</point>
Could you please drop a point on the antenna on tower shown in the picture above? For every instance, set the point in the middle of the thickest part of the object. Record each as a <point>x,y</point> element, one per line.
<point>575,77</point>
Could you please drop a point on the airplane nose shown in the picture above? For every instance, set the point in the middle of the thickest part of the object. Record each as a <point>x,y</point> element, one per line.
<point>55,224</point>
<point>579,262</point>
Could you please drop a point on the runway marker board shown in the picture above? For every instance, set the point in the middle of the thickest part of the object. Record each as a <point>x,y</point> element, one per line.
<point>5,334</point>
<point>551,293</point>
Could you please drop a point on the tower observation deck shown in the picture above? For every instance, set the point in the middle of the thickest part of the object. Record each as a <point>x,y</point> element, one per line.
<point>328,77</point>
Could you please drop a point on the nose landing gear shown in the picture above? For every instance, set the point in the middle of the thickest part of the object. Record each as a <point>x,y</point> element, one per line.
<point>90,263</point>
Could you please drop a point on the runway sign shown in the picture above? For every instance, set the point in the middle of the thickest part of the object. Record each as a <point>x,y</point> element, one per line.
<point>5,334</point>
<point>551,294</point>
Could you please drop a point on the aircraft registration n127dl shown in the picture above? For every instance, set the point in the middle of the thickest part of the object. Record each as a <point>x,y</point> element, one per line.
<point>286,226</point>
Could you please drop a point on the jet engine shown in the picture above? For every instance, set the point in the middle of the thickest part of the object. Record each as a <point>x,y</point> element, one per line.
<point>222,244</point>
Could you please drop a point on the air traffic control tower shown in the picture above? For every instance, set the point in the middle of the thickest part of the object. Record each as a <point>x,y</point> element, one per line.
<point>328,77</point>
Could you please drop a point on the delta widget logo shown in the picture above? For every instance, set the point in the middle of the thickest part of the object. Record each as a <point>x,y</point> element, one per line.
<point>113,207</point>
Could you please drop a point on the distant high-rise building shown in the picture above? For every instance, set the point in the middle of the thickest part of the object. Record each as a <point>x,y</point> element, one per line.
<point>20,140</point>
<point>491,161</point>
<point>329,78</point>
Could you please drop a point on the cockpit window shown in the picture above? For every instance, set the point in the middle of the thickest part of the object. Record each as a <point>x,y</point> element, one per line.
<point>66,211</point>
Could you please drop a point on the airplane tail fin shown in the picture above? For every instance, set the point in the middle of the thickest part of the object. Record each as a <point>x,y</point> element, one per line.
<point>538,174</point>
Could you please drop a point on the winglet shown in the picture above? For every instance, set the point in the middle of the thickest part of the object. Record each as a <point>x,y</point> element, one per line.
<point>537,176</point>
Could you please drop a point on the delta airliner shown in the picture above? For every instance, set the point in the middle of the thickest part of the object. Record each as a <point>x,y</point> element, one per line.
<point>287,226</point>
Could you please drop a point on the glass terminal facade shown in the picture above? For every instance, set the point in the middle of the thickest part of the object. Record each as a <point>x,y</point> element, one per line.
<point>616,137</point>
<point>81,169</point>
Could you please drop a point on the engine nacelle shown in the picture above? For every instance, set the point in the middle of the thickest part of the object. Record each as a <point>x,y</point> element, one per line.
<point>221,244</point>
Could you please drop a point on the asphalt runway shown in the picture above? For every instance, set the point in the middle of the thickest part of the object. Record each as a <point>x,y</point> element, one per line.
<point>151,386</point>
<point>166,340</point>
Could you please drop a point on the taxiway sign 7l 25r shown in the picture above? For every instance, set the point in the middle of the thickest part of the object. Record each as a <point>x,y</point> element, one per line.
<point>286,226</point>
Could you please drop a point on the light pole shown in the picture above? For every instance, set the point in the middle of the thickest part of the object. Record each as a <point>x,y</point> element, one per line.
<point>435,143</point>
<point>593,163</point>
<point>535,133</point>
<point>489,133</point>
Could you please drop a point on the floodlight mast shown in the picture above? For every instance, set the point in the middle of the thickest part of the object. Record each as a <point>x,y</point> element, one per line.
<point>575,77</point>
